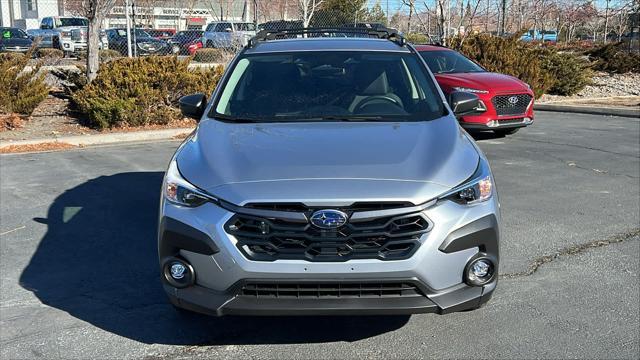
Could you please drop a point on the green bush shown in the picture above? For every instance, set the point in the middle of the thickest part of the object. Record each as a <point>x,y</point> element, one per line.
<point>11,56</point>
<point>50,53</point>
<point>416,38</point>
<point>22,89</point>
<point>570,72</point>
<point>613,58</point>
<point>544,68</point>
<point>209,55</point>
<point>141,91</point>
<point>108,55</point>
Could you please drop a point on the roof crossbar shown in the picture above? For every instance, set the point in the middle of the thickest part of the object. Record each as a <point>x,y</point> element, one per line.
<point>380,33</point>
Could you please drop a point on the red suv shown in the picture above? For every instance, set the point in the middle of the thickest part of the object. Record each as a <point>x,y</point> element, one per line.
<point>508,100</point>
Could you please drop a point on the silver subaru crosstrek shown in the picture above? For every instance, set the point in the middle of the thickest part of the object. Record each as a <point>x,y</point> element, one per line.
<point>328,175</point>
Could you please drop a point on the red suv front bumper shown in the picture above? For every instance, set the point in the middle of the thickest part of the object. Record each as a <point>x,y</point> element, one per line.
<point>504,111</point>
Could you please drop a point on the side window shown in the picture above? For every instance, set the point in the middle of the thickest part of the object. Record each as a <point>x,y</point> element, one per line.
<point>210,27</point>
<point>221,27</point>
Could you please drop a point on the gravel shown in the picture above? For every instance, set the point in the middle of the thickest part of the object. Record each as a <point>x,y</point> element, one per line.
<point>604,85</point>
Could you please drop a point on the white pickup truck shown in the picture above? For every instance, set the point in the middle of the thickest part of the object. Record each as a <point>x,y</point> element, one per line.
<point>228,34</point>
<point>68,34</point>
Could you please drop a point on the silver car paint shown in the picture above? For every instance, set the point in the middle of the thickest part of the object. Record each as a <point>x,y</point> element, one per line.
<point>436,269</point>
<point>334,162</point>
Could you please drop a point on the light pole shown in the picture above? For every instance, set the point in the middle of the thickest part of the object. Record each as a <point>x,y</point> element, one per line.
<point>128,20</point>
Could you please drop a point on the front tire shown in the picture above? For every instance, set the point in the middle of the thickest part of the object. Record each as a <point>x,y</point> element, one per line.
<point>56,44</point>
<point>505,132</point>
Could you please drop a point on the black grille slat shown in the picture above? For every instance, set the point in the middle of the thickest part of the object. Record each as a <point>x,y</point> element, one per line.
<point>504,106</point>
<point>391,237</point>
<point>329,290</point>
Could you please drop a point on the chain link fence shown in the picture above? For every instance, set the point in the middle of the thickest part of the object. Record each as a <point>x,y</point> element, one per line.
<point>222,27</point>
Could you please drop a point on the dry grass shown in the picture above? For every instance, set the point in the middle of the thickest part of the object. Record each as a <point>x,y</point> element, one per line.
<point>46,146</point>
<point>10,122</point>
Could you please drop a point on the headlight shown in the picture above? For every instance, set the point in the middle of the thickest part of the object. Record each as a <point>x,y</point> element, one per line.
<point>179,191</point>
<point>66,34</point>
<point>470,90</point>
<point>477,189</point>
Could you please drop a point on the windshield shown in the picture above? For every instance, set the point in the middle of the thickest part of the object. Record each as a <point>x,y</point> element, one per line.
<point>139,33</point>
<point>328,86</point>
<point>72,22</point>
<point>245,27</point>
<point>7,33</point>
<point>447,61</point>
<point>188,35</point>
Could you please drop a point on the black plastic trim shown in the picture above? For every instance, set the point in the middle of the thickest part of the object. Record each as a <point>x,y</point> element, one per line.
<point>482,233</point>
<point>228,302</point>
<point>176,235</point>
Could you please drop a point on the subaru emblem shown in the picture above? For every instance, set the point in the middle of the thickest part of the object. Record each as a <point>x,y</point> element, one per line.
<point>513,100</point>
<point>328,219</point>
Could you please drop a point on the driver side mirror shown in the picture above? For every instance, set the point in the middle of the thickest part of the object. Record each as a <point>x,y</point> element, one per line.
<point>193,106</point>
<point>464,103</point>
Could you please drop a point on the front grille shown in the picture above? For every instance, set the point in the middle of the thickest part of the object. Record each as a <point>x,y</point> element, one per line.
<point>78,35</point>
<point>392,237</point>
<point>329,290</point>
<point>511,121</point>
<point>511,104</point>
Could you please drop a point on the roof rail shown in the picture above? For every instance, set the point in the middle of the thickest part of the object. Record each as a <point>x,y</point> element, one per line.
<point>380,33</point>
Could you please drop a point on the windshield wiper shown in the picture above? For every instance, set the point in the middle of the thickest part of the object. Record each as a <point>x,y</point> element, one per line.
<point>344,118</point>
<point>237,119</point>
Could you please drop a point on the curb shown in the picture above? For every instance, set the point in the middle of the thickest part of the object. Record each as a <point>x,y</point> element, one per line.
<point>104,139</point>
<point>632,113</point>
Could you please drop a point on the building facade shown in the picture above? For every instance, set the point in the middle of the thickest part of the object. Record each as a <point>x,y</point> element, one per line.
<point>179,15</point>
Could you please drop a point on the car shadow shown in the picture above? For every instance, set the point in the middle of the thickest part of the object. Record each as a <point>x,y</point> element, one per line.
<point>98,262</point>
<point>485,135</point>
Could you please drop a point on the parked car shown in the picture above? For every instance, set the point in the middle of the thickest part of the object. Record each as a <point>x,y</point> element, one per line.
<point>328,176</point>
<point>68,34</point>
<point>163,34</point>
<point>227,34</point>
<point>508,100</point>
<point>14,40</point>
<point>142,43</point>
<point>540,35</point>
<point>187,42</point>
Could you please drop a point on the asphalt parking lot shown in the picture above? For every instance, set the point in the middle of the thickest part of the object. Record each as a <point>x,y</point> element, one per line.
<point>79,275</point>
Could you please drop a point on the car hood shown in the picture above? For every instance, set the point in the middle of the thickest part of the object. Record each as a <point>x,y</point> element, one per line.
<point>68,28</point>
<point>149,40</point>
<point>328,162</point>
<point>484,81</point>
<point>15,42</point>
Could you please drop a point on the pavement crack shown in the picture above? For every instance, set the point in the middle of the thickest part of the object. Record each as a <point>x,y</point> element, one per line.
<point>571,251</point>
<point>597,171</point>
<point>578,146</point>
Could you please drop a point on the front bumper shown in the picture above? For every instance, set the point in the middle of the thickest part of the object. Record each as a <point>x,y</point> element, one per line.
<point>15,49</point>
<point>492,120</point>
<point>460,233</point>
<point>499,124</point>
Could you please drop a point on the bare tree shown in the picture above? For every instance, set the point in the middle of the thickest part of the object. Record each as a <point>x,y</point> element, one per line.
<point>307,8</point>
<point>95,11</point>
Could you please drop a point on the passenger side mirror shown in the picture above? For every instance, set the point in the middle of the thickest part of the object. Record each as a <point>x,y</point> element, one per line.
<point>464,103</point>
<point>192,106</point>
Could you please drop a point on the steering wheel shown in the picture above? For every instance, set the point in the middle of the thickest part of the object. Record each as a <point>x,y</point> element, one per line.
<point>370,99</point>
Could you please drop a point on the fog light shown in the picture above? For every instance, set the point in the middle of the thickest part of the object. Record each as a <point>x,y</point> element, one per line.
<point>479,271</point>
<point>178,272</point>
<point>493,123</point>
